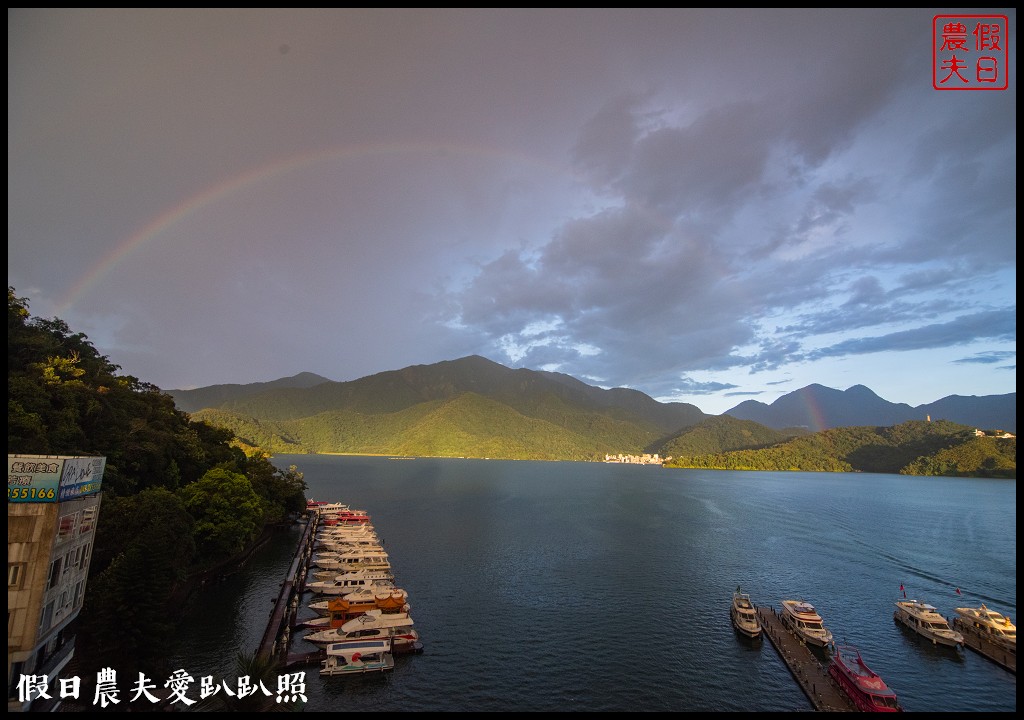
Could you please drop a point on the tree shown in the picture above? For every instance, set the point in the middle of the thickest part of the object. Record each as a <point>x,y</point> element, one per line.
<point>228,513</point>
<point>143,551</point>
<point>283,491</point>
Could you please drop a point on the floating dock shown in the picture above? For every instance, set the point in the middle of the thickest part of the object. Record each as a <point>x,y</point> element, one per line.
<point>810,674</point>
<point>277,636</point>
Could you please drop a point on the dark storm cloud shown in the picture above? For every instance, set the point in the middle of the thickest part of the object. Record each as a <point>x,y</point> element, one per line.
<point>644,198</point>
<point>998,324</point>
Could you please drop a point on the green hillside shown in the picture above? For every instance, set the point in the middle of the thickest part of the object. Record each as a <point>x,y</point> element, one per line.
<point>916,448</point>
<point>180,503</point>
<point>723,433</point>
<point>466,425</point>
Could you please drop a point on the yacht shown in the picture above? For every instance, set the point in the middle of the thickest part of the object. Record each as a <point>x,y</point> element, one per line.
<point>925,620</point>
<point>801,617</point>
<point>988,625</point>
<point>744,615</point>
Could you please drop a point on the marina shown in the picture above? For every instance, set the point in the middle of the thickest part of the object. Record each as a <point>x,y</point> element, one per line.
<point>362,608</point>
<point>466,541</point>
<point>812,677</point>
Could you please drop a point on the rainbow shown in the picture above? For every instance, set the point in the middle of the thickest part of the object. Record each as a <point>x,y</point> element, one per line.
<point>239,183</point>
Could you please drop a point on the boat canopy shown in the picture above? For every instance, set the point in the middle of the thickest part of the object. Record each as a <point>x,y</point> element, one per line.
<point>355,649</point>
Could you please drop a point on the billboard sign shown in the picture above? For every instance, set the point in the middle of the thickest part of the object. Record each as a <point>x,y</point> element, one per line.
<point>52,478</point>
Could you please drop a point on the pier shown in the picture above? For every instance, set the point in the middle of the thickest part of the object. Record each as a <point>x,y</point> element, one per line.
<point>277,636</point>
<point>810,674</point>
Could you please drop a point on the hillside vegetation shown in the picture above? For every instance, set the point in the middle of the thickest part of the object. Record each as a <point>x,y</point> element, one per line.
<point>466,425</point>
<point>470,407</point>
<point>910,448</point>
<point>179,499</point>
<point>723,433</point>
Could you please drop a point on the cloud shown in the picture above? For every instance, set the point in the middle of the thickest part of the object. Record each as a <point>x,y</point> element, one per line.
<point>734,195</point>
<point>996,324</point>
<point>987,358</point>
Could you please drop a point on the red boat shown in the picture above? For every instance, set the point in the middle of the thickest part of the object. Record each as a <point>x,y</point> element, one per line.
<point>866,690</point>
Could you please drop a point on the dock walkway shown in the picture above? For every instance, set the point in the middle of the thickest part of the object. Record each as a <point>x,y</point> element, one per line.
<point>277,636</point>
<point>809,673</point>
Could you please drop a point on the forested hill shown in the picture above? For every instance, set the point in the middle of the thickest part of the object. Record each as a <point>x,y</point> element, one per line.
<point>911,448</point>
<point>817,407</point>
<point>474,407</point>
<point>179,498</point>
<point>471,407</point>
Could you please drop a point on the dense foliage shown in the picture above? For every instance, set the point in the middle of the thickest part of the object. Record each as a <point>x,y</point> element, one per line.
<point>178,496</point>
<point>910,448</point>
<point>723,433</point>
<point>465,425</point>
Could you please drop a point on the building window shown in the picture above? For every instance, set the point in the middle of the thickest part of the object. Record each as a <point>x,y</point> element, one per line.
<point>16,575</point>
<point>54,573</point>
<point>66,528</point>
<point>88,519</point>
<point>47,619</point>
<point>85,557</point>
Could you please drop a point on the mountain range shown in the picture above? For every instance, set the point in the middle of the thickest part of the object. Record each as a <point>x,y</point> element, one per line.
<point>476,407</point>
<point>817,407</point>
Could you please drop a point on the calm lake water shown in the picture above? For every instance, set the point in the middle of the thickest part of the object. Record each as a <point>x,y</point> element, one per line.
<point>591,587</point>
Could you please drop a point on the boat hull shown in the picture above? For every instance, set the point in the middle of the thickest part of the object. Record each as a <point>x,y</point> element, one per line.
<point>803,620</point>
<point>987,626</point>
<point>744,618</point>
<point>943,636</point>
<point>865,700</point>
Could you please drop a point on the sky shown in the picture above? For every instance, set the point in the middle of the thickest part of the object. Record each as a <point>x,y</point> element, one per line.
<point>708,206</point>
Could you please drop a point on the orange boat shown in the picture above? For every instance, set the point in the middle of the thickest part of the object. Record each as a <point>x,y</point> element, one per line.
<point>866,690</point>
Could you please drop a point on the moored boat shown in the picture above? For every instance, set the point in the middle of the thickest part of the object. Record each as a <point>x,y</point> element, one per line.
<point>324,508</point>
<point>744,615</point>
<point>336,611</point>
<point>350,582</point>
<point>803,619</point>
<point>928,622</point>
<point>866,690</point>
<point>365,566</point>
<point>358,658</point>
<point>373,625</point>
<point>352,558</point>
<point>987,625</point>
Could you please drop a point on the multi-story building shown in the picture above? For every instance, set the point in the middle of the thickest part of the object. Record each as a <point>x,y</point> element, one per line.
<point>53,503</point>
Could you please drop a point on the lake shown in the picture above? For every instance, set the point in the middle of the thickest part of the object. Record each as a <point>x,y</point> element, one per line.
<point>592,587</point>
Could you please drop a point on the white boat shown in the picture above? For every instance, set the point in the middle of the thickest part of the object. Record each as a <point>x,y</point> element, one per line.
<point>744,615</point>
<point>339,533</point>
<point>373,625</point>
<point>331,559</point>
<point>350,529</point>
<point>358,658</point>
<point>355,556</point>
<point>801,617</point>
<point>988,625</point>
<point>348,538</point>
<point>337,547</point>
<point>367,566</point>
<point>349,582</point>
<point>925,620</point>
